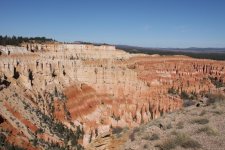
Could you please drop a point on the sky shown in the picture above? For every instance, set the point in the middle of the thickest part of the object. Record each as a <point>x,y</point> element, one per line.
<point>146,23</point>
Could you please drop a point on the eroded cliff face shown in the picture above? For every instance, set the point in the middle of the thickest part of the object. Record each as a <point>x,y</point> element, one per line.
<point>95,89</point>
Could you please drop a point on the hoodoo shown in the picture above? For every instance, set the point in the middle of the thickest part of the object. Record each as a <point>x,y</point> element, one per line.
<point>55,94</point>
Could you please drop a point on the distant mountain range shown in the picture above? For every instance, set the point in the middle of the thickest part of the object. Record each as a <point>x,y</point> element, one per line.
<point>190,49</point>
<point>204,53</point>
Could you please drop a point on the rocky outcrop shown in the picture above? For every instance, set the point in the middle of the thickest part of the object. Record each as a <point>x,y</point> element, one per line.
<point>97,87</point>
<point>7,50</point>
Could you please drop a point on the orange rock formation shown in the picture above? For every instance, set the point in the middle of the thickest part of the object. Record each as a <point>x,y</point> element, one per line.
<point>95,88</point>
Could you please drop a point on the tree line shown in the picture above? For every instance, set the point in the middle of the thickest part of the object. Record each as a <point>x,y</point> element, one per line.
<point>14,40</point>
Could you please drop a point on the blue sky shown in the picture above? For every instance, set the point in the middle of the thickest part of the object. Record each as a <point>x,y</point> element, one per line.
<point>150,23</point>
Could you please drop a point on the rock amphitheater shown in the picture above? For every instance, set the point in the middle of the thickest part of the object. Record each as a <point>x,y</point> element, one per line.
<point>91,89</point>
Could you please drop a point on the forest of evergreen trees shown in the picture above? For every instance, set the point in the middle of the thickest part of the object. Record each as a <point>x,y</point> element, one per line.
<point>8,40</point>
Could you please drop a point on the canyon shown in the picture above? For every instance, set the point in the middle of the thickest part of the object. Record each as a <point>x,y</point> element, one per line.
<point>52,90</point>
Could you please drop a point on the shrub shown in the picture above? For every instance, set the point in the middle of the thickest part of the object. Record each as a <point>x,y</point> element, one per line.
<point>193,95</point>
<point>169,126</point>
<point>117,130</point>
<point>136,130</point>
<point>184,95</point>
<point>172,91</point>
<point>174,132</point>
<point>190,143</point>
<point>218,112</point>
<point>35,141</point>
<point>132,135</point>
<point>216,97</point>
<point>152,138</point>
<point>188,102</point>
<point>180,125</point>
<point>216,82</point>
<point>202,113</point>
<point>39,131</point>
<point>117,118</point>
<point>2,139</point>
<point>208,130</point>
<point>179,140</point>
<point>201,121</point>
<point>145,146</point>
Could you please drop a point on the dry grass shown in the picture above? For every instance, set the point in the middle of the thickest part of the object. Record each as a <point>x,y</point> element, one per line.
<point>208,130</point>
<point>180,139</point>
